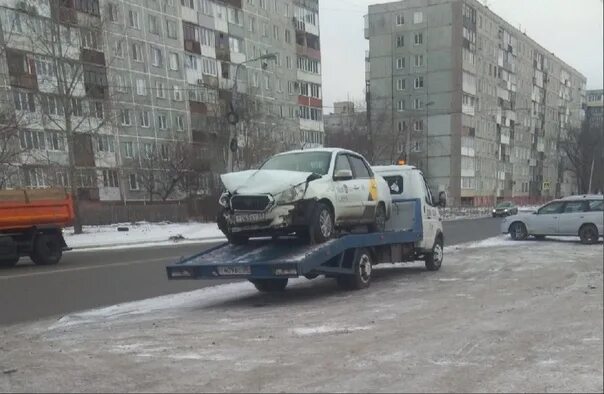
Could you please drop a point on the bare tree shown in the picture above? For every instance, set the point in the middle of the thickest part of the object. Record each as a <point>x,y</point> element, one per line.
<point>69,76</point>
<point>582,155</point>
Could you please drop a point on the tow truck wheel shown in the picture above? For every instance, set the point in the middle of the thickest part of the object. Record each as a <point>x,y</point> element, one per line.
<point>435,259</point>
<point>47,249</point>
<point>361,278</point>
<point>10,262</point>
<point>270,285</point>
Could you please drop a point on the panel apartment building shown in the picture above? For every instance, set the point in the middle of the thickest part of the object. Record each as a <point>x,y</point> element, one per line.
<point>485,106</point>
<point>139,77</point>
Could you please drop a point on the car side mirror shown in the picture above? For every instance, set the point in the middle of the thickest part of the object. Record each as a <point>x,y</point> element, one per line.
<point>342,175</point>
<point>440,201</point>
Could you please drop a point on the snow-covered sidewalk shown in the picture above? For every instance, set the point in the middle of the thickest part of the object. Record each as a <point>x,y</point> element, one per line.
<point>142,234</point>
<point>498,316</point>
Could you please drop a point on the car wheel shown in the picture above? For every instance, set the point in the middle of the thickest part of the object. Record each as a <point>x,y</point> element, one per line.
<point>322,224</point>
<point>379,224</point>
<point>47,249</point>
<point>588,234</point>
<point>435,259</point>
<point>361,278</point>
<point>494,215</point>
<point>10,262</point>
<point>270,285</point>
<point>518,231</point>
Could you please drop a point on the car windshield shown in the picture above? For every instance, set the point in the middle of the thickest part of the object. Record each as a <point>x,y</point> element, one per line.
<point>317,162</point>
<point>504,205</point>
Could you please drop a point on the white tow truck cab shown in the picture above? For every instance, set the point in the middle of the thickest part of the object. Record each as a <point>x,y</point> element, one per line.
<point>407,182</point>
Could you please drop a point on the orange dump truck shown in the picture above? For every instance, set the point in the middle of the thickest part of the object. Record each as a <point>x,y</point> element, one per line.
<point>31,223</point>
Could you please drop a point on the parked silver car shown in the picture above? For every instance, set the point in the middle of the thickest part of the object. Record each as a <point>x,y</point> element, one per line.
<point>580,216</point>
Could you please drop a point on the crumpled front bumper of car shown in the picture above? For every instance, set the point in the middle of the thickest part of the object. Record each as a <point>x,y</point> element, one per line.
<point>280,219</point>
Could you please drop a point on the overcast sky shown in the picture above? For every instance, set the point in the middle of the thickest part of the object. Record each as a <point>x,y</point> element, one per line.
<point>572,29</point>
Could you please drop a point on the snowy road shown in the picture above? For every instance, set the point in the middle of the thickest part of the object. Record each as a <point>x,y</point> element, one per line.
<point>499,316</point>
<point>91,278</point>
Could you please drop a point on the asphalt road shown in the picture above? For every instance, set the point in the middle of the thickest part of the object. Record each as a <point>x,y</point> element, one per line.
<point>88,279</point>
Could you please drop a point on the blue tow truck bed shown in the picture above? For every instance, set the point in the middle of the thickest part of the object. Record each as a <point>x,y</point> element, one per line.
<point>262,260</point>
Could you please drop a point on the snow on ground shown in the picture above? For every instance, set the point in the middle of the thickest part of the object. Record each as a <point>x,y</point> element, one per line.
<point>498,316</point>
<point>140,233</point>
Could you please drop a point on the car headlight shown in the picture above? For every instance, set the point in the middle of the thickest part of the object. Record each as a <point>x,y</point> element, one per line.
<point>224,200</point>
<point>292,194</point>
<point>494,210</point>
<point>505,210</point>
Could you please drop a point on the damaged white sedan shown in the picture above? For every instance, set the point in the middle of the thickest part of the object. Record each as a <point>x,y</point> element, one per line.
<point>309,193</point>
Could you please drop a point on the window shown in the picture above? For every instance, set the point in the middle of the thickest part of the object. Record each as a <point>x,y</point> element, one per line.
<point>105,143</point>
<point>24,101</point>
<point>416,146</point>
<point>34,177</point>
<point>400,63</point>
<point>188,3</point>
<point>177,93</point>
<point>400,41</point>
<point>315,90</point>
<point>118,48</point>
<point>251,24</point>
<point>267,82</point>
<point>419,38</point>
<point>418,17</point>
<point>206,7</point>
<point>401,84</point>
<point>133,20</point>
<point>275,32</point>
<point>551,208</point>
<point>173,61</point>
<point>129,149</point>
<point>265,29</point>
<point>141,87</point>
<point>288,36</point>
<point>418,125</point>
<point>419,82</point>
<point>153,25</point>
<point>110,178</point>
<point>342,164</point>
<point>162,121</point>
<point>125,117</point>
<point>467,182</point>
<point>45,68</point>
<point>596,205</point>
<point>144,119</point>
<point>76,107</point>
<point>90,39</point>
<point>236,44</point>
<point>171,29</point>
<point>418,103</point>
<point>207,37</point>
<point>401,105</point>
<point>160,91</point>
<point>209,66</point>
<point>137,52</point>
<point>400,19</point>
<point>32,140</point>
<point>180,122</point>
<point>148,150</point>
<point>235,16</point>
<point>190,62</point>
<point>309,65</point>
<point>113,12</point>
<point>133,182</point>
<point>359,168</point>
<point>395,184</point>
<point>156,57</point>
<point>288,62</point>
<point>575,206</point>
<point>419,60</point>
<point>54,141</point>
<point>51,105</point>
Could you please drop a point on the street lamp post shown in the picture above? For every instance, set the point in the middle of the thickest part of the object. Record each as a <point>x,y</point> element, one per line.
<point>233,116</point>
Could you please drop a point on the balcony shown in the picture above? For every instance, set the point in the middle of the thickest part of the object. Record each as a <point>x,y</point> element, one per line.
<point>25,81</point>
<point>308,52</point>
<point>193,46</point>
<point>197,107</point>
<point>92,56</point>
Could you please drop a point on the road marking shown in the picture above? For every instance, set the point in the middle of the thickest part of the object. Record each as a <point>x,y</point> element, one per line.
<point>75,269</point>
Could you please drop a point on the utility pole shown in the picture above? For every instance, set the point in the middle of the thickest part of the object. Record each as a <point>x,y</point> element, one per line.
<point>233,116</point>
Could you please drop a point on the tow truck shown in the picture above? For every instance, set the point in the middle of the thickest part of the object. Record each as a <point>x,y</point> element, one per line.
<point>413,232</point>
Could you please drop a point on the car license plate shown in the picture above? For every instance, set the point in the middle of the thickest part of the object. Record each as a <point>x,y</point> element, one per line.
<point>235,270</point>
<point>250,218</point>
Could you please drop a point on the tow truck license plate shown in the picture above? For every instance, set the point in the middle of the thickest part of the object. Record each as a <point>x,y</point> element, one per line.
<point>250,218</point>
<point>236,270</point>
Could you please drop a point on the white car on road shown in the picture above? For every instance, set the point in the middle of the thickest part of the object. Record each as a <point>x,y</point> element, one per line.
<point>306,192</point>
<point>581,216</point>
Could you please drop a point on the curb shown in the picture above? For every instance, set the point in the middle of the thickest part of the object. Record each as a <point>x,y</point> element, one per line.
<point>145,243</point>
